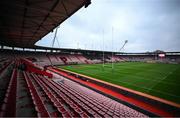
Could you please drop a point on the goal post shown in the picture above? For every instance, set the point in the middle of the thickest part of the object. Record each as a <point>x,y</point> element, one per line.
<point>103,57</point>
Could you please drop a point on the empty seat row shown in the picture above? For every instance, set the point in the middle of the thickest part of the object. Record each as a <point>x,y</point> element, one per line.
<point>4,66</point>
<point>94,105</point>
<point>58,103</point>
<point>103,103</point>
<point>59,97</point>
<point>38,102</point>
<point>86,101</point>
<point>9,103</point>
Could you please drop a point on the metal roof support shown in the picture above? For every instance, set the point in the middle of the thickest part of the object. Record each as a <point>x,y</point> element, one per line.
<point>54,37</point>
<point>65,8</point>
<point>52,19</point>
<point>24,18</point>
<point>38,25</point>
<point>54,5</point>
<point>42,10</point>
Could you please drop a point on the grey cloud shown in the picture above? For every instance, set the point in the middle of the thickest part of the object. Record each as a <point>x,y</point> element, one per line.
<point>147,24</point>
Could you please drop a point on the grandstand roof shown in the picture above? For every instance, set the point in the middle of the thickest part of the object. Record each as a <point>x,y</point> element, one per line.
<point>24,22</point>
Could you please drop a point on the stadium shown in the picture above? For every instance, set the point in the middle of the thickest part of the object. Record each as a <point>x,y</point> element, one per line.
<point>48,81</point>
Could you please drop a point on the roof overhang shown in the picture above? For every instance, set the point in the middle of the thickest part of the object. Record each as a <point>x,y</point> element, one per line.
<point>24,22</point>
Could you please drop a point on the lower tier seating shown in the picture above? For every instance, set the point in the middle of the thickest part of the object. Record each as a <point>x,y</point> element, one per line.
<point>34,95</point>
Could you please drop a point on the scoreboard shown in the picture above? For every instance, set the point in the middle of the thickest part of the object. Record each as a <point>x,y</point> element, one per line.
<point>161,55</point>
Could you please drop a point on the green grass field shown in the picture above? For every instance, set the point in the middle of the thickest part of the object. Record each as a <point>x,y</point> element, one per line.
<point>161,80</point>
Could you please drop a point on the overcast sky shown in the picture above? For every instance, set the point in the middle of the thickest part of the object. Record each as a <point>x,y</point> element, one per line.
<point>148,25</point>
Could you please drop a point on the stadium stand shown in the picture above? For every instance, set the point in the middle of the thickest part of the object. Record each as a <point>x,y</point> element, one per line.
<point>31,85</point>
<point>44,97</point>
<point>42,92</point>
